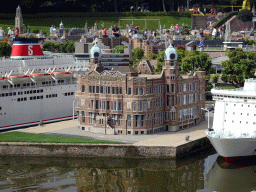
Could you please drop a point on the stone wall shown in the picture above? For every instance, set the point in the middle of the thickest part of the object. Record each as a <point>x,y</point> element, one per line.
<point>101,150</point>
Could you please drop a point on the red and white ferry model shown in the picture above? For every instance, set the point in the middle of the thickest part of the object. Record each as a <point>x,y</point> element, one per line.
<point>234,127</point>
<point>35,88</point>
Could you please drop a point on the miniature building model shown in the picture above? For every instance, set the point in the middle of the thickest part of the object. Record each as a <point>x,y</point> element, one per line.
<point>19,20</point>
<point>122,101</point>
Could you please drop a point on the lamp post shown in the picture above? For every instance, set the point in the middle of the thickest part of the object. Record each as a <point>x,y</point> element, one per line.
<point>208,118</point>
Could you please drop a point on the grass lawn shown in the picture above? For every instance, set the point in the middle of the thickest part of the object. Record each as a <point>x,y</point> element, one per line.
<point>69,22</point>
<point>16,136</point>
<point>226,87</point>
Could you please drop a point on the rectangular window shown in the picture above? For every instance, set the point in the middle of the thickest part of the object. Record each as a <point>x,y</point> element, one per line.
<point>83,88</point>
<point>103,105</point>
<point>172,88</point>
<point>184,87</point>
<point>142,91</point>
<point>140,106</point>
<point>136,91</point>
<point>145,106</point>
<point>115,106</point>
<point>92,104</point>
<point>142,121</point>
<point>129,91</point>
<point>136,120</point>
<point>108,105</point>
<point>120,90</point>
<point>93,89</point>
<point>166,115</point>
<point>116,90</point>
<point>97,104</point>
<point>180,88</point>
<point>184,99</point>
<point>195,86</point>
<point>168,100</point>
<point>119,105</point>
<point>172,100</point>
<point>113,90</point>
<point>105,90</point>
<point>97,89</point>
<point>129,120</point>
<point>101,89</point>
<point>180,100</point>
<point>108,90</point>
<point>134,106</point>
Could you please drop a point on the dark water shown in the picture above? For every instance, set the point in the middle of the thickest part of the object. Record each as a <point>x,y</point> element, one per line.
<point>199,172</point>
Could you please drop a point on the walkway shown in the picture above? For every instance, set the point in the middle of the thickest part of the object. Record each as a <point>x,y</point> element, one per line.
<point>70,128</point>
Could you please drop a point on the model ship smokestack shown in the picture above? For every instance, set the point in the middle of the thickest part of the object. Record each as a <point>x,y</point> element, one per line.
<point>26,48</point>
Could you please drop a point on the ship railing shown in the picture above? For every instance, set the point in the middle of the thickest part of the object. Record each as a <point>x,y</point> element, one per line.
<point>229,134</point>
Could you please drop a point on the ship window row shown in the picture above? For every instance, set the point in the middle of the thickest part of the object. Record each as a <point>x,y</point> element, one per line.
<point>22,99</point>
<point>104,89</point>
<point>236,97</point>
<point>36,97</point>
<point>51,95</point>
<point>242,105</point>
<point>240,113</point>
<point>8,94</point>
<point>233,121</point>
<point>69,93</point>
<point>21,93</point>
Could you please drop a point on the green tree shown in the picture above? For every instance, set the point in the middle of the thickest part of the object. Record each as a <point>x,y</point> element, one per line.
<point>120,49</point>
<point>241,65</point>
<point>197,61</point>
<point>5,49</point>
<point>138,53</point>
<point>152,56</point>
<point>245,15</point>
<point>215,78</point>
<point>48,46</point>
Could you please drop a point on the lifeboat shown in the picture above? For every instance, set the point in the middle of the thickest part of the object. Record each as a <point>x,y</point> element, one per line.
<point>3,79</point>
<point>41,76</point>
<point>62,74</point>
<point>19,78</point>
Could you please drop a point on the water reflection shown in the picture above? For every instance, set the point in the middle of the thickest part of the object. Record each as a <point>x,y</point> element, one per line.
<point>101,174</point>
<point>236,176</point>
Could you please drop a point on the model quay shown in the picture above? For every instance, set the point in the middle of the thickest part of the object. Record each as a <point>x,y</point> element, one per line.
<point>233,134</point>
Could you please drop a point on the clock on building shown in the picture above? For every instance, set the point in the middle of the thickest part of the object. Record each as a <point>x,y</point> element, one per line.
<point>172,56</point>
<point>96,54</point>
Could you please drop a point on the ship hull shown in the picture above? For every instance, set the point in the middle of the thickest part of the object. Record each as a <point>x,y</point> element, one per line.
<point>16,114</point>
<point>234,148</point>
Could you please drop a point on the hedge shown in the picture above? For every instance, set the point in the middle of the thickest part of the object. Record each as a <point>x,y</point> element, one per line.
<point>224,19</point>
<point>96,14</point>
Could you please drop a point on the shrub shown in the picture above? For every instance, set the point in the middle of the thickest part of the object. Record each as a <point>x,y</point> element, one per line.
<point>245,15</point>
<point>138,53</point>
<point>208,87</point>
<point>152,56</point>
<point>181,47</point>
<point>5,49</point>
<point>185,30</point>
<point>215,78</point>
<point>35,31</point>
<point>120,49</point>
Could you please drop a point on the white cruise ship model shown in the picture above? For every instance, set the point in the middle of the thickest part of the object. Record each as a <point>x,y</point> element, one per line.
<point>233,134</point>
<point>36,89</point>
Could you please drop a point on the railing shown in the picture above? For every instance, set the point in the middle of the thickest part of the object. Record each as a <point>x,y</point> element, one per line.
<point>228,134</point>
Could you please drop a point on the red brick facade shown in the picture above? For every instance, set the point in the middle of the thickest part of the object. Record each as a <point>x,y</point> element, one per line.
<point>131,103</point>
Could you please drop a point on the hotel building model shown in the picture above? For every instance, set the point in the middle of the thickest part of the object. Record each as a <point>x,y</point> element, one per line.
<point>124,101</point>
